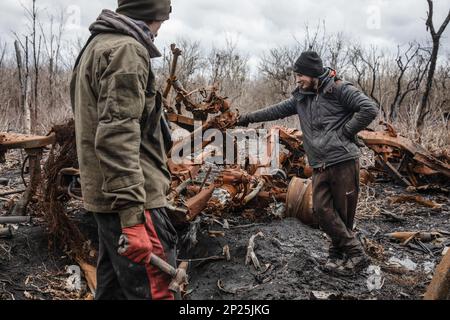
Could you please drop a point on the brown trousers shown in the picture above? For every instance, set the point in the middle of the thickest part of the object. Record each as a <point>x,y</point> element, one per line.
<point>335,197</point>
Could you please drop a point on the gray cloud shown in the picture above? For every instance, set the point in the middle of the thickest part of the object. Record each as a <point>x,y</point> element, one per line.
<point>257,25</point>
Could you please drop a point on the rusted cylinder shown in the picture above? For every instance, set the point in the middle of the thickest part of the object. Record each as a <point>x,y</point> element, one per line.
<point>299,202</point>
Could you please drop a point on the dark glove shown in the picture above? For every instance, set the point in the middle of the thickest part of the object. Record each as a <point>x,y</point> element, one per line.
<point>243,121</point>
<point>135,244</point>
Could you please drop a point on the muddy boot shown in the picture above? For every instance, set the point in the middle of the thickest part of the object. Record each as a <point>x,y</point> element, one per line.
<point>356,262</point>
<point>335,260</point>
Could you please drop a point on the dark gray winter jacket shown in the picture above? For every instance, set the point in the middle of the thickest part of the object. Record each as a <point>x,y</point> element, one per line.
<point>329,119</point>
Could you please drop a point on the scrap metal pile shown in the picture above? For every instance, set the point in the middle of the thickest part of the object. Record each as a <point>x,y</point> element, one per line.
<point>256,186</point>
<point>255,189</point>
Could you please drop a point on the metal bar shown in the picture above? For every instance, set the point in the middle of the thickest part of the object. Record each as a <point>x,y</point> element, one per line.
<point>206,178</point>
<point>15,219</point>
<point>394,171</point>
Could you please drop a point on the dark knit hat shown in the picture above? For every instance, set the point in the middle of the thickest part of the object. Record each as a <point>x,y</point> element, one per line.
<point>145,10</point>
<point>309,64</point>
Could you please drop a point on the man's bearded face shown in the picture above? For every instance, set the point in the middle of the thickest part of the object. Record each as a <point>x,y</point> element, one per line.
<point>305,83</point>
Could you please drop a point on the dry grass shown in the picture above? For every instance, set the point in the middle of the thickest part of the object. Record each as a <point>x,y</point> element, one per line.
<point>368,204</point>
<point>54,286</point>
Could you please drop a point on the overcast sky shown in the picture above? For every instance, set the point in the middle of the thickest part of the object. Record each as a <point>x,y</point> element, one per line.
<point>256,25</point>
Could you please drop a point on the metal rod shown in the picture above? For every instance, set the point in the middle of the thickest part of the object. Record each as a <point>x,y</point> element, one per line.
<point>183,186</point>
<point>206,178</point>
<point>15,219</point>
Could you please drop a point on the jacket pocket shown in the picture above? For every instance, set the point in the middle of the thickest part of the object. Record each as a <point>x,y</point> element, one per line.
<point>334,146</point>
<point>130,97</point>
<point>342,140</point>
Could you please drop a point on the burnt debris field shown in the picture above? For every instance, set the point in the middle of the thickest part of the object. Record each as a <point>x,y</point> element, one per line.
<point>244,234</point>
<point>290,254</point>
<point>223,122</point>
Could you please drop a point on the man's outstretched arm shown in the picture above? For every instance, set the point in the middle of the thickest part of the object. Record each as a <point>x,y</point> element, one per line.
<point>280,110</point>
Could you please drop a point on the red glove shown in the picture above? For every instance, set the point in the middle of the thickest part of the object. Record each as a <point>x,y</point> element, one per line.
<point>135,244</point>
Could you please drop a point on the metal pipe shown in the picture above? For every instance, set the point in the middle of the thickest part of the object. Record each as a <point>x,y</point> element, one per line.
<point>15,219</point>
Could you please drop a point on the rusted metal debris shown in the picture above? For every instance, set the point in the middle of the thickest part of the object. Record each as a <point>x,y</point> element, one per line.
<point>299,201</point>
<point>417,199</point>
<point>406,236</point>
<point>405,160</point>
<point>241,187</point>
<point>33,146</point>
<point>68,181</point>
<point>439,288</point>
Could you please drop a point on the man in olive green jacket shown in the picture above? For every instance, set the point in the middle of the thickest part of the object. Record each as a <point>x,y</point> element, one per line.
<point>121,144</point>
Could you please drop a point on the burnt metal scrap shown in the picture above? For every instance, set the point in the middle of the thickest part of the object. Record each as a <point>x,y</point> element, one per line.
<point>33,146</point>
<point>232,188</point>
<point>406,161</point>
<point>252,188</point>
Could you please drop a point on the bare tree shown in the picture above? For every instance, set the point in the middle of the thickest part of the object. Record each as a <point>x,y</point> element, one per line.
<point>363,61</point>
<point>36,46</point>
<point>31,47</point>
<point>436,37</point>
<point>413,60</point>
<point>337,52</point>
<point>276,67</point>
<point>442,79</point>
<point>23,72</point>
<point>192,60</point>
<point>2,54</point>
<point>315,40</point>
<point>228,68</point>
<point>52,42</point>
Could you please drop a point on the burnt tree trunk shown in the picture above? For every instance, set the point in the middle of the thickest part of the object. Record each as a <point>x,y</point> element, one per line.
<point>435,36</point>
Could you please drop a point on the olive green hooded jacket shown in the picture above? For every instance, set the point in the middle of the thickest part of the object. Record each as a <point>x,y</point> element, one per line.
<point>118,121</point>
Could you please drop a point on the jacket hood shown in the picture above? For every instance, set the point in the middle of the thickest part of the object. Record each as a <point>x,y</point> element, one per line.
<point>112,22</point>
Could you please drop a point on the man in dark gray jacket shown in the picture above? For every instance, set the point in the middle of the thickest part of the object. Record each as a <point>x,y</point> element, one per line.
<point>331,113</point>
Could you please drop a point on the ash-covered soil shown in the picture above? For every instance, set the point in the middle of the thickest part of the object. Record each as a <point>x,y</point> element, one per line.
<point>292,255</point>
